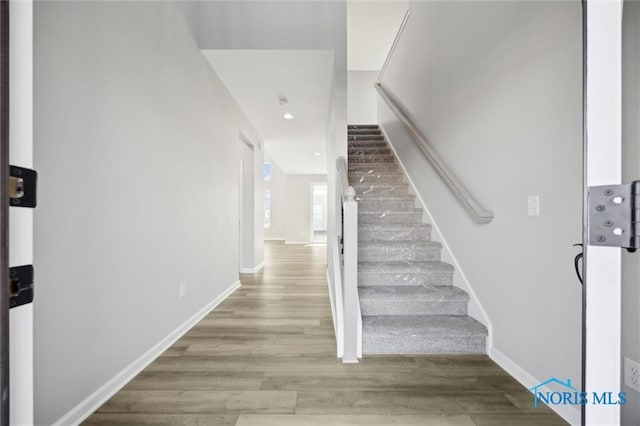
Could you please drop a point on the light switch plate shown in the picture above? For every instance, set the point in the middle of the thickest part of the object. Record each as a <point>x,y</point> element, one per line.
<point>533,205</point>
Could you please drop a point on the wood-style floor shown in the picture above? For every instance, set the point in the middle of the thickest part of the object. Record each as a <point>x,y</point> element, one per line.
<point>266,357</point>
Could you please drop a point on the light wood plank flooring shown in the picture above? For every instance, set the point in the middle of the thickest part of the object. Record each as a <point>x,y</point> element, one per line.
<point>266,357</point>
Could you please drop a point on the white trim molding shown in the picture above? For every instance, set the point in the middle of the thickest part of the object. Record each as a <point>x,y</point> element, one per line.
<point>91,403</point>
<point>254,270</point>
<point>297,242</point>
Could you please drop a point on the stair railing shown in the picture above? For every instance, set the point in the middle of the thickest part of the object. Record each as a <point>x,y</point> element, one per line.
<point>351,327</point>
<point>478,213</point>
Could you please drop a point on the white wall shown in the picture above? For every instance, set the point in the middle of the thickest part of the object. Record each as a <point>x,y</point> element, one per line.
<point>277,185</point>
<point>631,171</point>
<point>496,88</point>
<point>136,142</point>
<point>21,220</point>
<point>362,98</point>
<point>372,26</point>
<point>298,207</point>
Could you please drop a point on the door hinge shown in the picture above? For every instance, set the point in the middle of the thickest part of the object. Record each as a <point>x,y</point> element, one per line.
<point>22,187</point>
<point>614,215</point>
<point>20,285</point>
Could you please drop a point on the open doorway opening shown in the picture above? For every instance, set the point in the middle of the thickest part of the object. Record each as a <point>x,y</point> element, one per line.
<point>318,212</point>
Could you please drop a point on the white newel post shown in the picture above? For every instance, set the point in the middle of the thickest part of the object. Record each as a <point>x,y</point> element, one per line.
<point>350,284</point>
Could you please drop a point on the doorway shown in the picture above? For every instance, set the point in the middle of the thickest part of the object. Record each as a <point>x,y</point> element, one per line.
<point>319,213</point>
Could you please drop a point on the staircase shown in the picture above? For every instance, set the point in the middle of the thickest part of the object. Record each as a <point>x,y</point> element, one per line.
<point>408,302</point>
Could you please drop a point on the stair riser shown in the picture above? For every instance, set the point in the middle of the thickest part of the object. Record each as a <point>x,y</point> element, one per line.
<point>384,204</point>
<point>377,190</point>
<point>380,254</point>
<point>385,307</point>
<point>372,279</point>
<point>362,126</point>
<point>365,137</point>
<point>369,151</point>
<point>374,219</point>
<point>382,179</point>
<point>371,159</point>
<point>368,145</point>
<point>358,132</point>
<point>409,234</point>
<point>393,345</point>
<point>373,169</point>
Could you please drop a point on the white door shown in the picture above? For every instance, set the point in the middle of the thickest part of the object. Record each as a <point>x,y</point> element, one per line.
<point>602,285</point>
<point>21,219</point>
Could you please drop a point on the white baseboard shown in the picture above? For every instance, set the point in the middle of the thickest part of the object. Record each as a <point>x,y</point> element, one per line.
<point>297,242</point>
<point>255,270</point>
<point>275,239</point>
<point>570,413</point>
<point>91,403</point>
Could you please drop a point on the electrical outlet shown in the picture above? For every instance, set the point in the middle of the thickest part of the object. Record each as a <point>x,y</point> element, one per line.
<point>182,289</point>
<point>632,374</point>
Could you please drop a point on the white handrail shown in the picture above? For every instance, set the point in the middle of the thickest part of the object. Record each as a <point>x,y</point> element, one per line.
<point>346,191</point>
<point>394,44</point>
<point>478,213</point>
<point>348,215</point>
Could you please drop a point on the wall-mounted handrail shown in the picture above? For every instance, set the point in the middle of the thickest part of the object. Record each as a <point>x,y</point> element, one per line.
<point>347,215</point>
<point>393,45</point>
<point>478,213</point>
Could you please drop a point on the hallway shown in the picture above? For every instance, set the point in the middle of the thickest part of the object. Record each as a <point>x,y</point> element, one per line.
<point>266,356</point>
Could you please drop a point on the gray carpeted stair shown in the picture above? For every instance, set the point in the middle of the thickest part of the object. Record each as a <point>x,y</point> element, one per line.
<point>408,302</point>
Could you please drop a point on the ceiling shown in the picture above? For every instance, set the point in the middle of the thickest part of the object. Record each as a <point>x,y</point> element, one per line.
<point>257,78</point>
<point>371,28</point>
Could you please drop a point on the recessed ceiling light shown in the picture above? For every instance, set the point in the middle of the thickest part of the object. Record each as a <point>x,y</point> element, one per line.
<point>287,116</point>
<point>317,154</point>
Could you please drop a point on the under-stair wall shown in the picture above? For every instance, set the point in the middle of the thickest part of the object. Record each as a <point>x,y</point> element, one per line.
<point>496,89</point>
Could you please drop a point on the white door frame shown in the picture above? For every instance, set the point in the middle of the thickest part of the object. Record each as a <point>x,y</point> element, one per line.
<point>240,213</point>
<point>21,219</point>
<point>246,230</point>
<point>602,166</point>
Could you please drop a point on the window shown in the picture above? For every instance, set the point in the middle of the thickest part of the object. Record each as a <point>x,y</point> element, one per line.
<point>266,208</point>
<point>266,172</point>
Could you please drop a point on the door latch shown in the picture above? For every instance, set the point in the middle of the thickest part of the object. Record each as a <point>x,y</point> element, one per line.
<point>614,215</point>
<point>22,187</point>
<point>20,285</point>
